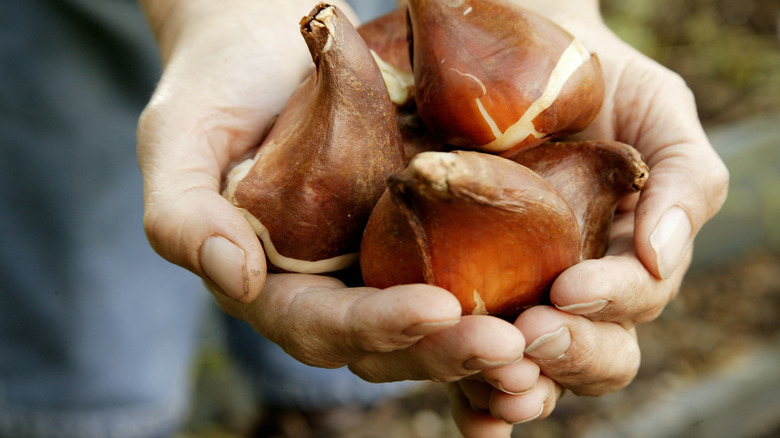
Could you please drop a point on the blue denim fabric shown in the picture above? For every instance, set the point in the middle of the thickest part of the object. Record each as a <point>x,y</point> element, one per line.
<point>97,332</point>
<point>368,9</point>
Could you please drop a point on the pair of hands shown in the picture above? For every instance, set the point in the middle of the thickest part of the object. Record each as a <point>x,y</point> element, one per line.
<point>228,71</point>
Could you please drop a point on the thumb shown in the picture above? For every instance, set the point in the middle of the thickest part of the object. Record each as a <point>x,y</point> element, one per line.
<point>186,219</point>
<point>687,186</point>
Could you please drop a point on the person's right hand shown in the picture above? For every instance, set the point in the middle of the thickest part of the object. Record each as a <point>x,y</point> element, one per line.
<point>408,332</point>
<point>229,67</point>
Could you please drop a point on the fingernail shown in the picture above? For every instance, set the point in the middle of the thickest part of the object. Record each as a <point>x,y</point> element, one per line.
<point>496,384</point>
<point>477,409</point>
<point>426,328</point>
<point>479,364</point>
<point>550,346</point>
<point>223,262</point>
<point>670,239</point>
<point>585,308</point>
<point>539,414</point>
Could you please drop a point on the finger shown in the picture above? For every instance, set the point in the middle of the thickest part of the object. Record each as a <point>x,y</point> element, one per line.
<point>536,404</point>
<point>514,379</point>
<point>652,109</point>
<point>473,423</point>
<point>320,322</point>
<point>675,204</point>
<point>688,182</point>
<point>210,108</point>
<point>616,287</point>
<point>200,231</point>
<point>186,220</point>
<point>190,134</point>
<point>478,393</point>
<point>476,343</point>
<point>587,357</point>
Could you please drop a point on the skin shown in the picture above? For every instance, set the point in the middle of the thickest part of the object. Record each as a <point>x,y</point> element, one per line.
<point>230,67</point>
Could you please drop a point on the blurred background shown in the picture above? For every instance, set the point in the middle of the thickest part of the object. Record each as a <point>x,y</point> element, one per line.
<point>711,362</point>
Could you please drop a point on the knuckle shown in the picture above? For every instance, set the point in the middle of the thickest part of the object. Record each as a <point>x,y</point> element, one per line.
<point>633,299</point>
<point>366,372</point>
<point>374,344</point>
<point>163,235</point>
<point>657,302</point>
<point>145,129</point>
<point>672,80</point>
<point>314,354</point>
<point>362,333</point>
<point>153,230</point>
<point>447,377</point>
<point>593,370</point>
<point>719,185</point>
<point>443,372</point>
<point>617,374</point>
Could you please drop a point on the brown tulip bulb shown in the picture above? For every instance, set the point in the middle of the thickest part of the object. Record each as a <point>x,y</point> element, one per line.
<point>312,183</point>
<point>593,176</point>
<point>493,76</point>
<point>387,37</point>
<point>416,136</point>
<point>487,229</point>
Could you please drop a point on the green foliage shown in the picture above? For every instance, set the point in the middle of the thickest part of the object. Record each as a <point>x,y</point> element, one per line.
<point>727,50</point>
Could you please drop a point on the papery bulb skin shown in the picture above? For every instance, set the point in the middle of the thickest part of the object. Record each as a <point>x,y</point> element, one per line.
<point>490,231</point>
<point>492,76</point>
<point>311,185</point>
<point>387,37</point>
<point>592,176</point>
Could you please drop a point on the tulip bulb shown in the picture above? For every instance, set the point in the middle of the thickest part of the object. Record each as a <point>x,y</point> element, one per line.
<point>387,37</point>
<point>487,229</point>
<point>310,187</point>
<point>593,176</point>
<point>492,76</point>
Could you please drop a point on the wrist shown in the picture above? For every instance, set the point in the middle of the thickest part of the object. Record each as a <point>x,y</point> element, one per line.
<point>584,9</point>
<point>576,16</point>
<point>175,21</point>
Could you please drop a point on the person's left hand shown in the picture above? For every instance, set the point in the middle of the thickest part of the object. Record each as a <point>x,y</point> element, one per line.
<point>405,332</point>
<point>587,344</point>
